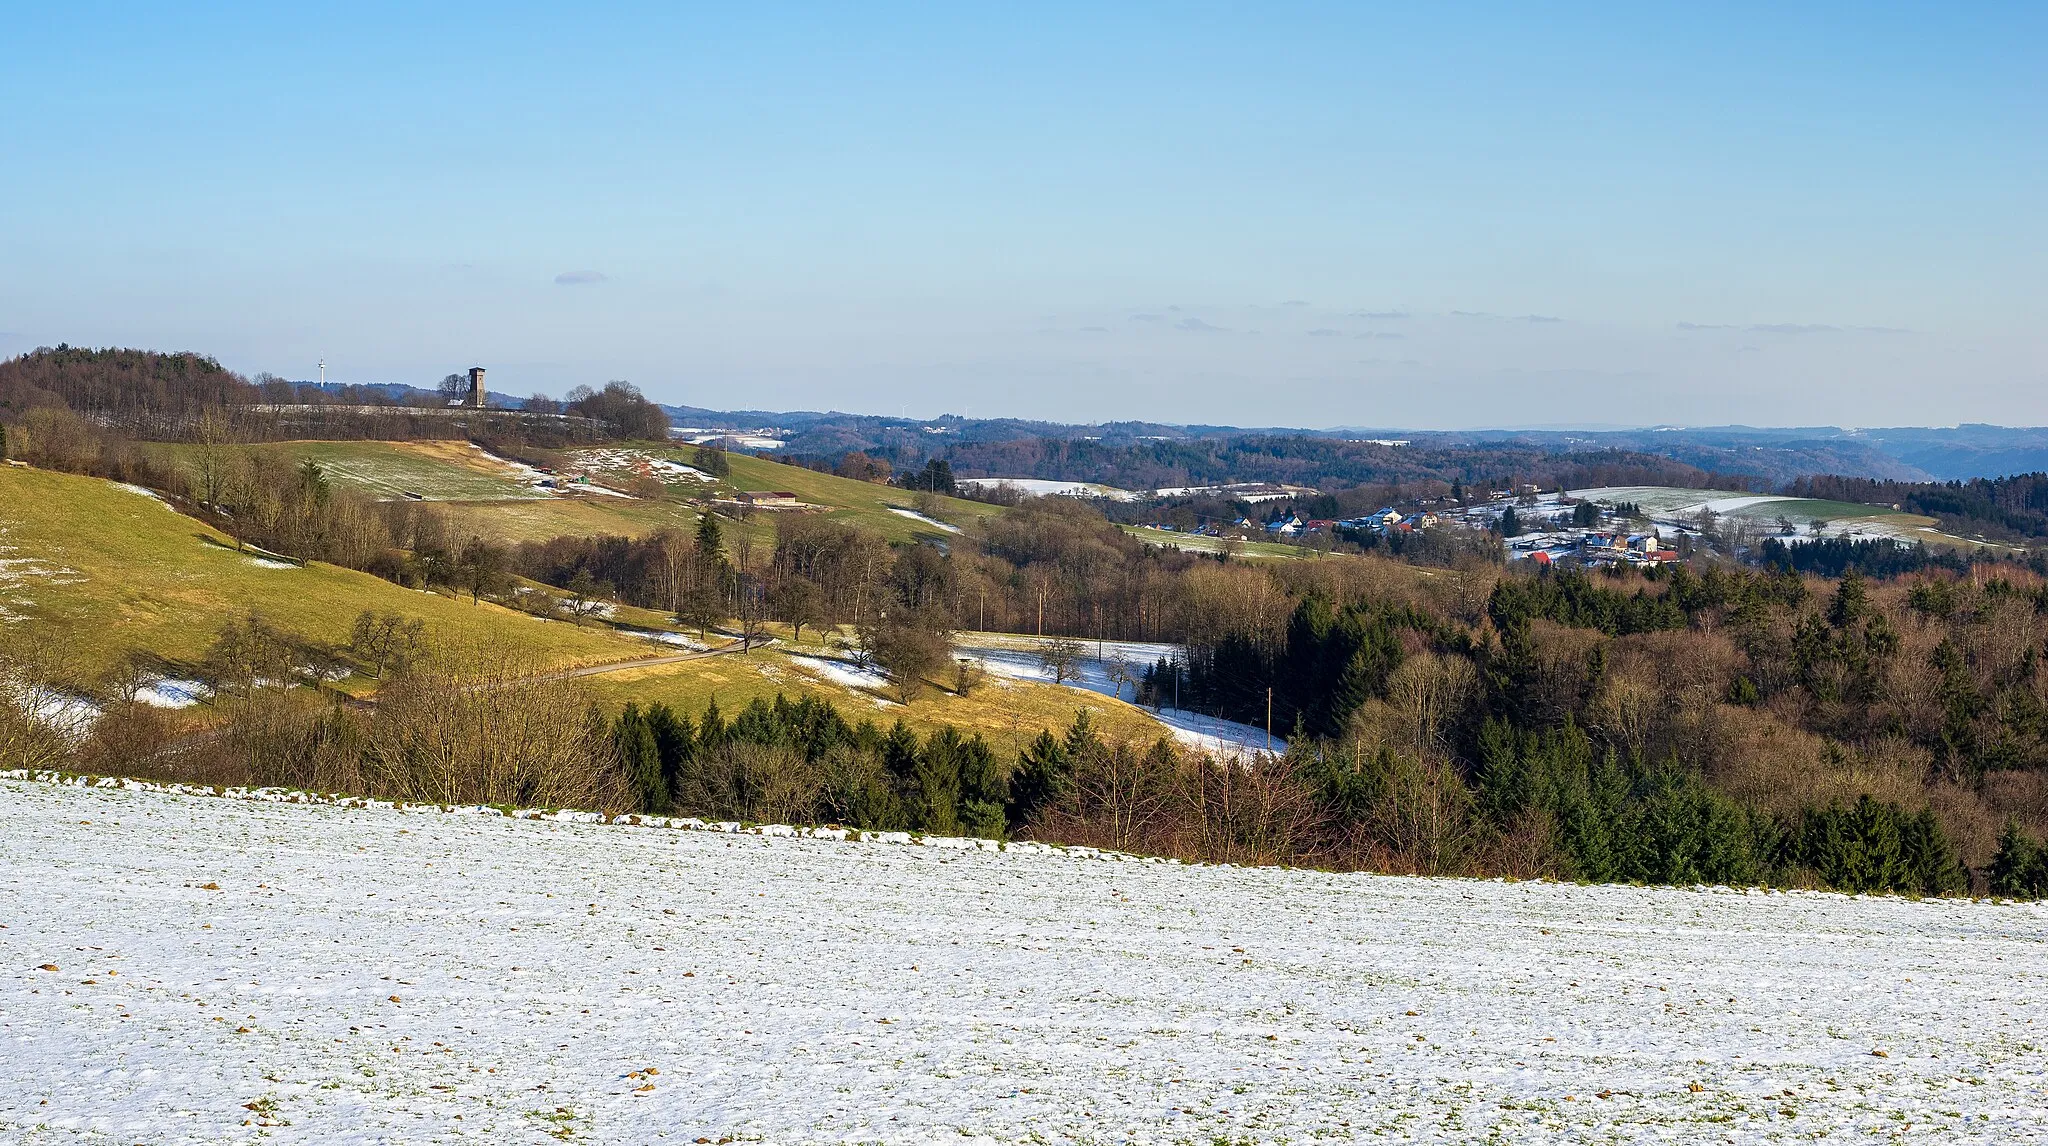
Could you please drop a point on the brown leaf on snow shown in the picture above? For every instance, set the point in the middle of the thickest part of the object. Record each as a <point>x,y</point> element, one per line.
<point>395,999</point>
<point>47,967</point>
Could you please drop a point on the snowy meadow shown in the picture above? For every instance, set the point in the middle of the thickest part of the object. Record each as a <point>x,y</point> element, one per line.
<point>187,968</point>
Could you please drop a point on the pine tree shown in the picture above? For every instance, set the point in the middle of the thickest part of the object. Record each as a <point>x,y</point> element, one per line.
<point>982,789</point>
<point>675,746</point>
<point>2019,870</point>
<point>1044,774</point>
<point>711,731</point>
<point>1851,601</point>
<point>1930,857</point>
<point>1503,776</point>
<point>640,760</point>
<point>710,542</point>
<point>936,782</point>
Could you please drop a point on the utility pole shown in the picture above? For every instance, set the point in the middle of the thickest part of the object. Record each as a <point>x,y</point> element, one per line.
<point>1269,718</point>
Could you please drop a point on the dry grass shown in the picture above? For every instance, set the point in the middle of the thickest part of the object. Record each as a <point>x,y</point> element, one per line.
<point>138,576</point>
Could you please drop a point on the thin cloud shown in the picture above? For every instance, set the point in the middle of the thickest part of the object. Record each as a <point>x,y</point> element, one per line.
<point>1193,323</point>
<point>1295,302</point>
<point>1094,330</point>
<point>1473,314</point>
<point>1541,318</point>
<point>1381,314</point>
<point>1881,329</point>
<point>1324,332</point>
<point>1794,328</point>
<point>1380,334</point>
<point>1148,318</point>
<point>579,278</point>
<point>1705,326</point>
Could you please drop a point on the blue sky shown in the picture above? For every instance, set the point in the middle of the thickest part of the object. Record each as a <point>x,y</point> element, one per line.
<point>1414,215</point>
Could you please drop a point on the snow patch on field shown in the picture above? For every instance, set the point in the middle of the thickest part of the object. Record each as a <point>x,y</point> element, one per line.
<point>270,563</point>
<point>146,492</point>
<point>667,638</point>
<point>638,462</point>
<point>172,693</point>
<point>1041,487</point>
<point>230,969</point>
<point>934,522</point>
<point>1098,671</point>
<point>845,673</point>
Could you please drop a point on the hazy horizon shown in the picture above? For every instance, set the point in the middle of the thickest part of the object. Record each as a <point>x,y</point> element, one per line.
<point>1304,215</point>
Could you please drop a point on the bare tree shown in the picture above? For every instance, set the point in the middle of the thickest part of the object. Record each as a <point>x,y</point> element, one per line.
<point>1061,657</point>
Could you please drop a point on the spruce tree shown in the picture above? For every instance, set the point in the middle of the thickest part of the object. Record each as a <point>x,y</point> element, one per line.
<point>1930,857</point>
<point>935,781</point>
<point>640,760</point>
<point>675,746</point>
<point>1044,773</point>
<point>2019,870</point>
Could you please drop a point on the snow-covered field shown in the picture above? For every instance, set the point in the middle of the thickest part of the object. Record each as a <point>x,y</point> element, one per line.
<point>868,679</point>
<point>1672,506</point>
<point>934,522</point>
<point>1018,658</point>
<point>190,969</point>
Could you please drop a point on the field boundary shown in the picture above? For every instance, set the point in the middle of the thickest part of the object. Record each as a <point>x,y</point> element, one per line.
<point>575,816</point>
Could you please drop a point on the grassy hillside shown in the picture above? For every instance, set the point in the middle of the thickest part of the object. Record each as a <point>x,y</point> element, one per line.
<point>1842,518</point>
<point>1195,543</point>
<point>101,569</point>
<point>493,498</point>
<point>1007,712</point>
<point>104,569</point>
<point>865,503</point>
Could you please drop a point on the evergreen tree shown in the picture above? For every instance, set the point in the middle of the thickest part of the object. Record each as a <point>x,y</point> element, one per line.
<point>674,745</point>
<point>1851,601</point>
<point>1929,856</point>
<point>710,542</point>
<point>640,759</point>
<point>983,791</point>
<point>936,782</point>
<point>2020,869</point>
<point>1743,691</point>
<point>1044,774</point>
<point>712,732</point>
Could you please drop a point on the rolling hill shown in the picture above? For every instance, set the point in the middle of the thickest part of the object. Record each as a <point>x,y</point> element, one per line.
<point>100,569</point>
<point>503,500</point>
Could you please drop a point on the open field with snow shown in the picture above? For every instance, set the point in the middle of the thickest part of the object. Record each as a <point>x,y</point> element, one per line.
<point>1114,668</point>
<point>227,970</point>
<point>1197,543</point>
<point>1045,487</point>
<point>1670,505</point>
